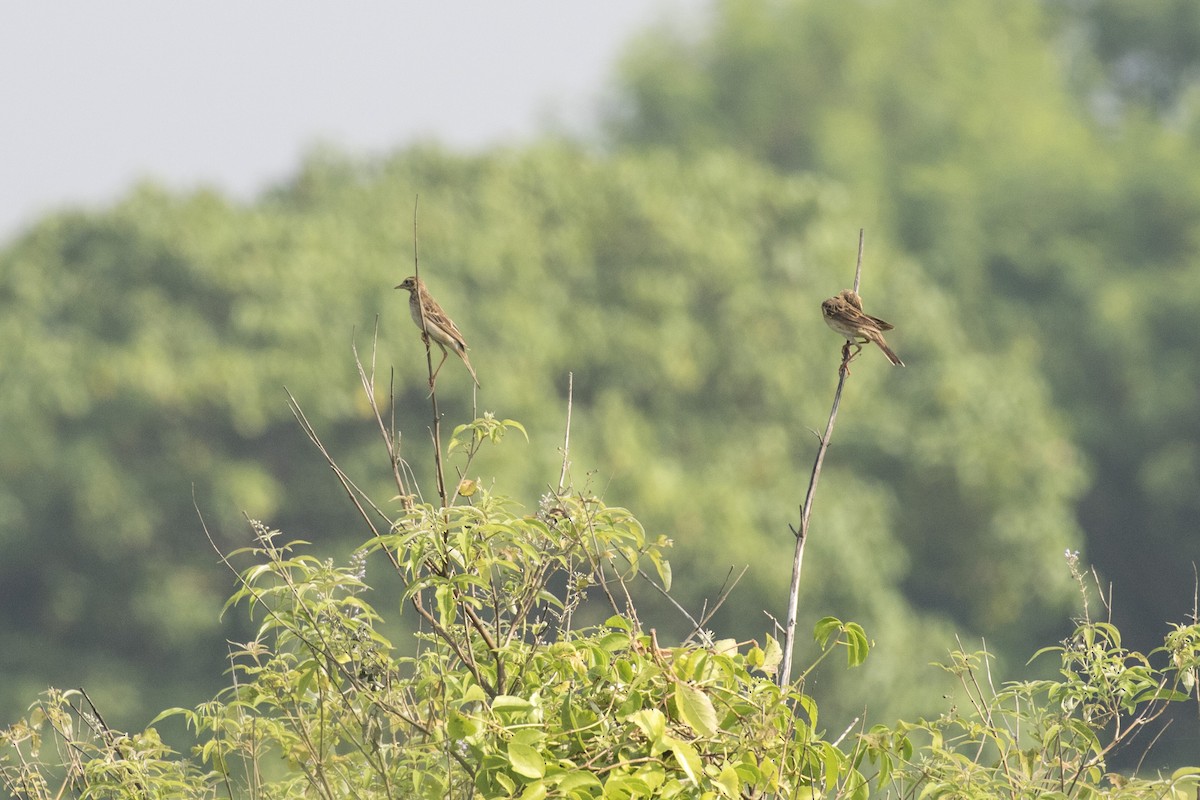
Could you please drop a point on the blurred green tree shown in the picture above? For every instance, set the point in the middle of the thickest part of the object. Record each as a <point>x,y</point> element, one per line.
<point>152,342</point>
<point>1144,56</point>
<point>1037,160</point>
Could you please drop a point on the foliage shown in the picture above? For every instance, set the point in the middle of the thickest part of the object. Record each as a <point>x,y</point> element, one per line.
<point>1137,55</point>
<point>153,341</point>
<point>505,690</point>
<point>502,693</point>
<point>1037,160</point>
<point>1044,738</point>
<point>1025,172</point>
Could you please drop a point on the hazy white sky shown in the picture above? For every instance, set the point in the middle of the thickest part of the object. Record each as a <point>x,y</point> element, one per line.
<point>96,95</point>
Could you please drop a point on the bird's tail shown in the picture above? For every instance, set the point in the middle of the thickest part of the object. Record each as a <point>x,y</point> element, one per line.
<point>463,355</point>
<point>887,351</point>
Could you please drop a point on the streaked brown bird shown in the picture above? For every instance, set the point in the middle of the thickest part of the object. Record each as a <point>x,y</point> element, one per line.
<point>437,326</point>
<point>844,313</point>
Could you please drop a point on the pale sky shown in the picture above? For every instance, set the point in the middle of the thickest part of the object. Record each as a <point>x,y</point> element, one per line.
<point>95,96</point>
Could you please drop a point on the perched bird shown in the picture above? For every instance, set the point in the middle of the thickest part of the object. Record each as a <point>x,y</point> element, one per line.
<point>843,312</point>
<point>437,325</point>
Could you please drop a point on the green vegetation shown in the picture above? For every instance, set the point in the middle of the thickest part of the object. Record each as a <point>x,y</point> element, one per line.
<point>506,690</point>
<point>1036,159</point>
<point>1025,173</point>
<point>678,291</point>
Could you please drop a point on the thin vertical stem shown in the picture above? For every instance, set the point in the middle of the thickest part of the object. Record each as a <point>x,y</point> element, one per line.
<point>858,264</point>
<point>437,416</point>
<point>785,672</point>
<point>562,476</point>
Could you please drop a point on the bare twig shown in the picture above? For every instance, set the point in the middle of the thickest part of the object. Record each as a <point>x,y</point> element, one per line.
<point>1150,747</point>
<point>838,741</point>
<point>101,727</point>
<point>1195,594</point>
<point>390,439</point>
<point>858,263</point>
<point>356,495</point>
<point>779,632</point>
<point>726,590</point>
<point>697,626</point>
<point>562,476</point>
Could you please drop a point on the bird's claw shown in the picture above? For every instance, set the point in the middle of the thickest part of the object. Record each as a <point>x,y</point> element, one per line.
<point>847,356</point>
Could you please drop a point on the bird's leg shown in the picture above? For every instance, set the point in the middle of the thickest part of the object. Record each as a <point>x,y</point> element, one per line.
<point>847,356</point>
<point>433,377</point>
<point>858,346</point>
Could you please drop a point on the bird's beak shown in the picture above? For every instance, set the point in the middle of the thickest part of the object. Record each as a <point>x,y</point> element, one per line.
<point>398,286</point>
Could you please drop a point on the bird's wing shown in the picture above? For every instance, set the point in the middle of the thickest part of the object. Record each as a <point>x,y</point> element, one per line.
<point>437,318</point>
<point>883,326</point>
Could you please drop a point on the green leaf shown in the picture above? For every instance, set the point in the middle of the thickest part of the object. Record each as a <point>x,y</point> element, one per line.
<point>651,722</point>
<point>809,707</point>
<point>535,791</point>
<point>663,567</point>
<point>832,761</point>
<point>857,784</point>
<point>755,657</point>
<point>506,782</point>
<point>510,423</point>
<point>728,782</point>
<point>624,787</point>
<point>885,769</point>
<point>460,726</point>
<point>696,709</point>
<point>512,709</point>
<point>445,598</point>
<point>772,656</point>
<point>858,646</point>
<point>508,702</point>
<point>473,694</point>
<point>654,775</point>
<point>579,779</point>
<point>725,647</point>
<point>688,758</point>
<point>531,736</point>
<point>826,627</point>
<point>524,759</point>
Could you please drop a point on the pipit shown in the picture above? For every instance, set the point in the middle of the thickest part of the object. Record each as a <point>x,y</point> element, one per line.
<point>843,312</point>
<point>437,325</point>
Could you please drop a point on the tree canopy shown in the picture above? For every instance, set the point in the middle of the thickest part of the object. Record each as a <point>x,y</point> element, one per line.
<point>1036,160</point>
<point>1032,241</point>
<point>682,293</point>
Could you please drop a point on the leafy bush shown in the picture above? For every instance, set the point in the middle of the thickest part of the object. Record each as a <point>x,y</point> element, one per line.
<point>531,674</point>
<point>501,693</point>
<point>508,691</point>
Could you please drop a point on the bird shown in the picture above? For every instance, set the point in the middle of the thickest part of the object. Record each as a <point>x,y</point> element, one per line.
<point>436,325</point>
<point>844,313</point>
